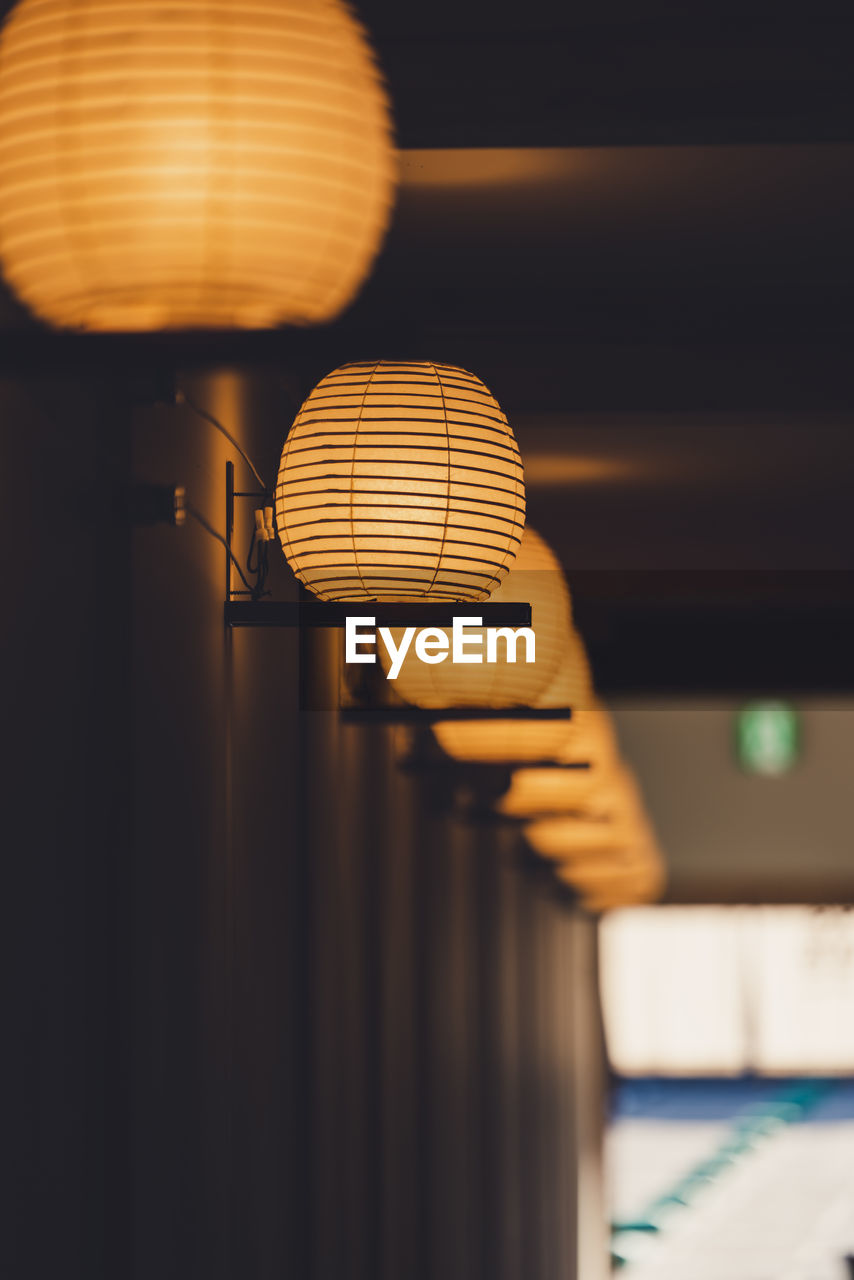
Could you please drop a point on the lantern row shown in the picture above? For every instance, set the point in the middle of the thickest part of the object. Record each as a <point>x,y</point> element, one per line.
<point>230,165</point>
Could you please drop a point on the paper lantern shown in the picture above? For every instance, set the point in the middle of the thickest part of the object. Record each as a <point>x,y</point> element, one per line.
<point>534,792</point>
<point>181,164</point>
<point>616,796</point>
<point>620,888</point>
<point>603,884</point>
<point>400,481</point>
<point>593,867</point>
<point>524,741</point>
<point>567,838</point>
<point>589,739</point>
<point>535,578</point>
<point>616,823</point>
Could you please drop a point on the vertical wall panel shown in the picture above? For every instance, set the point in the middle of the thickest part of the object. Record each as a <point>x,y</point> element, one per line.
<point>307,1021</point>
<point>399,1064</point>
<point>64,466</point>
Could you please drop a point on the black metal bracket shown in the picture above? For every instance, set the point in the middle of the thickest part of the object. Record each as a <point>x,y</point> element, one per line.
<point>404,714</point>
<point>262,497</point>
<point>320,613</point>
<point>415,763</point>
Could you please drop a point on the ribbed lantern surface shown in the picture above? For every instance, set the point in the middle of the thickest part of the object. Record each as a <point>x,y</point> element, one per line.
<point>190,163</point>
<point>525,741</point>
<point>400,481</point>
<point>536,578</point>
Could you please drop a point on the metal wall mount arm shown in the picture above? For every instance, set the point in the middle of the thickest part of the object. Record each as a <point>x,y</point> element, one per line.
<point>320,613</point>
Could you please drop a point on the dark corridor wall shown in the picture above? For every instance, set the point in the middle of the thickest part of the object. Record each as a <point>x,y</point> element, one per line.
<point>275,1010</point>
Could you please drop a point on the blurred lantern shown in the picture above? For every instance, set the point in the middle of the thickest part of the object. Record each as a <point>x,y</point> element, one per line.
<point>616,797</point>
<point>593,739</point>
<point>534,792</point>
<point>614,822</point>
<point>524,741</point>
<point>590,740</point>
<point>190,165</point>
<point>400,482</point>
<point>535,578</point>
<point>571,837</point>
<point>638,875</point>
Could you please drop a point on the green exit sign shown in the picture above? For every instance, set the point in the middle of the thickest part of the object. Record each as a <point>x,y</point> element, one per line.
<point>768,738</point>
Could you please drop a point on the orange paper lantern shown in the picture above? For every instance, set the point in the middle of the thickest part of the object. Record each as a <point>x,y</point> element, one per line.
<point>400,481</point>
<point>535,578</point>
<point>188,164</point>
<point>637,875</point>
<point>590,740</point>
<point>615,823</point>
<point>521,741</point>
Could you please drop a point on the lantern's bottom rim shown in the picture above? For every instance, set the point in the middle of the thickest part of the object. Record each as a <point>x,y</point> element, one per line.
<point>404,599</point>
<point>130,315</point>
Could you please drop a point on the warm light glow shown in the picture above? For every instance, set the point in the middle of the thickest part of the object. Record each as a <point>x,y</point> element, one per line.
<point>524,741</point>
<point>612,820</point>
<point>400,481</point>
<point>573,837</point>
<point>188,164</point>
<point>535,792</point>
<point>563,470</point>
<point>627,891</point>
<point>591,868</point>
<point>536,578</point>
<point>623,878</point>
<point>590,739</point>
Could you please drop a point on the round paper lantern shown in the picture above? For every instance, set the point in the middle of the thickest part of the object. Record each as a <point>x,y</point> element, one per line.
<point>590,739</point>
<point>536,792</point>
<point>605,883</point>
<point>536,578</point>
<point>400,482</point>
<point>524,741</point>
<point>185,164</point>
<point>593,866</point>
<point>615,823</point>
<point>593,738</point>
<point>615,887</point>
<point>616,796</point>
<point>563,839</point>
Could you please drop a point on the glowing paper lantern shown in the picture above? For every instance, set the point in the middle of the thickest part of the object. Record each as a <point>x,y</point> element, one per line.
<point>617,823</point>
<point>629,888</point>
<point>569,838</point>
<point>535,792</point>
<point>593,738</point>
<point>589,739</point>
<point>639,875</point>
<point>521,741</point>
<point>400,482</point>
<point>186,164</point>
<point>536,578</point>
<point>616,797</point>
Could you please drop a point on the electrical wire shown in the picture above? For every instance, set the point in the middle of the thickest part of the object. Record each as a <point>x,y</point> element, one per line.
<point>181,397</point>
<point>256,591</point>
<point>258,562</point>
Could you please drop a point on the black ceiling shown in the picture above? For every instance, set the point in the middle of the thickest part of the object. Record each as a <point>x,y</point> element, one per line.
<point>560,73</point>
